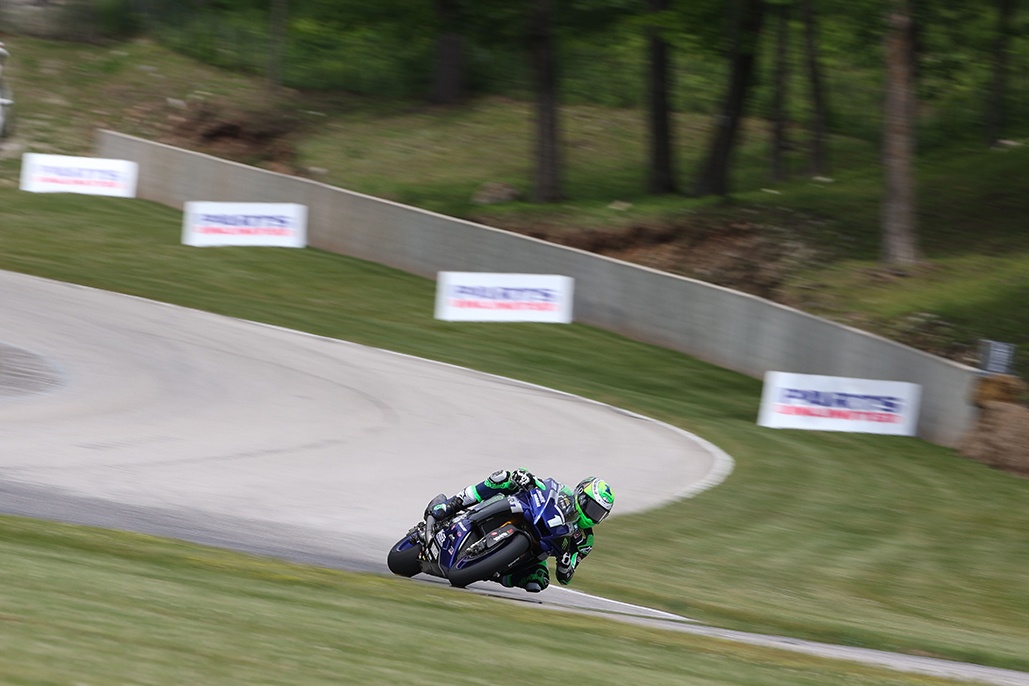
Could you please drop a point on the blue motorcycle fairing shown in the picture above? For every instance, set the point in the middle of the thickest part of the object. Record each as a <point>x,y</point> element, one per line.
<point>546,514</point>
<point>554,513</point>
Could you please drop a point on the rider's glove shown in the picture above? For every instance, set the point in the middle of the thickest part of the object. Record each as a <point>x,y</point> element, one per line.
<point>446,508</point>
<point>566,567</point>
<point>523,479</point>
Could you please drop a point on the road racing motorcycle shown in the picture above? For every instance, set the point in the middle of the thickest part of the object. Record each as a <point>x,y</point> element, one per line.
<point>488,539</point>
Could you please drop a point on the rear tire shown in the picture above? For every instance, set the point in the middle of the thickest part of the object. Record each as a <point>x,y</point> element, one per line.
<point>497,562</point>
<point>403,558</point>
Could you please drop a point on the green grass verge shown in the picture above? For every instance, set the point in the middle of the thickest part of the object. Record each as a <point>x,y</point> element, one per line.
<point>875,541</point>
<point>85,606</point>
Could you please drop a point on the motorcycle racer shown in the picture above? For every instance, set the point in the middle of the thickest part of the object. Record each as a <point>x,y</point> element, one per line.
<point>587,505</point>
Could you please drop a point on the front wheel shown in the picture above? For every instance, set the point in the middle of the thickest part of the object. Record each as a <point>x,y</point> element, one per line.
<point>495,563</point>
<point>403,558</point>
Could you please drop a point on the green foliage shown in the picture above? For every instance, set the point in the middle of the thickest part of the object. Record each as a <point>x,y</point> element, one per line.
<point>361,60</point>
<point>323,52</point>
<point>93,20</point>
<point>607,76</point>
<point>387,49</point>
<point>118,18</point>
<point>236,41</point>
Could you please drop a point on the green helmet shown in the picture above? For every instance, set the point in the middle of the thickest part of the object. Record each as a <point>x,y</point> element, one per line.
<point>593,501</point>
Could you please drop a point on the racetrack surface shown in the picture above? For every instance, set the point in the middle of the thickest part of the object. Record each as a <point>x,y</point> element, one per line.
<point>129,414</point>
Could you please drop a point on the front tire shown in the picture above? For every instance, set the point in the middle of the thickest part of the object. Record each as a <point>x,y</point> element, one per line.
<point>403,558</point>
<point>495,563</point>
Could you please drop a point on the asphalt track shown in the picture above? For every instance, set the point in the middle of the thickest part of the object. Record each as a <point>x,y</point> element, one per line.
<point>135,415</point>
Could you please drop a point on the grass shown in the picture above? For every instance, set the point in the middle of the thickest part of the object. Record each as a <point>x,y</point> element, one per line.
<point>873,541</point>
<point>88,606</point>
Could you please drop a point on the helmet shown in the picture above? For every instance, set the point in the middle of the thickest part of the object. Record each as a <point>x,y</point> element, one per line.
<point>593,501</point>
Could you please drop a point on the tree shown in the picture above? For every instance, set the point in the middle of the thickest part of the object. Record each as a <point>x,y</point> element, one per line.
<point>535,27</point>
<point>545,19</point>
<point>661,167</point>
<point>547,182</point>
<point>277,30</point>
<point>899,245</point>
<point>714,173</point>
<point>448,74</point>
<point>995,114</point>
<point>779,114</point>
<point>819,158</point>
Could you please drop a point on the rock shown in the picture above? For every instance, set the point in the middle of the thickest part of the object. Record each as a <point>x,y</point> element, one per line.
<point>1000,437</point>
<point>1002,388</point>
<point>10,149</point>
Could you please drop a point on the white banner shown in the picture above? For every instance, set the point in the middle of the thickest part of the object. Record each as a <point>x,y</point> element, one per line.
<point>484,297</point>
<point>281,225</point>
<point>86,175</point>
<point>833,403</point>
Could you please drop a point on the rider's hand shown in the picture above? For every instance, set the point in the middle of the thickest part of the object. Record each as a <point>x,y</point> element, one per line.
<point>444,509</point>
<point>523,479</point>
<point>566,567</point>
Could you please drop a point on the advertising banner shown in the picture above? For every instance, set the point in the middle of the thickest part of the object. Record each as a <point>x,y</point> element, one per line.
<point>833,403</point>
<point>484,297</point>
<point>85,175</point>
<point>280,225</point>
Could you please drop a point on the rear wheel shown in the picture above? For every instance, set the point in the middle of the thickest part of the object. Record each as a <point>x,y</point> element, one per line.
<point>488,566</point>
<point>403,558</point>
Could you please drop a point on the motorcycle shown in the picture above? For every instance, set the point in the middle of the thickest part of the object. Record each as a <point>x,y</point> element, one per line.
<point>488,539</point>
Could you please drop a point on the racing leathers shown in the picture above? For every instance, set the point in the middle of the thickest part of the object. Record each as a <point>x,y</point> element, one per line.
<point>534,576</point>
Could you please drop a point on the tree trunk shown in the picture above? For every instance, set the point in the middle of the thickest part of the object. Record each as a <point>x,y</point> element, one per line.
<point>995,114</point>
<point>714,174</point>
<point>780,94</point>
<point>661,175</point>
<point>899,246</point>
<point>277,27</point>
<point>819,156</point>
<point>448,79</point>
<point>547,177</point>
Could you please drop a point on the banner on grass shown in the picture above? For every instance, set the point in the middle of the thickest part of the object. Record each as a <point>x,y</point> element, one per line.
<point>834,403</point>
<point>85,175</point>
<point>281,225</point>
<point>484,297</point>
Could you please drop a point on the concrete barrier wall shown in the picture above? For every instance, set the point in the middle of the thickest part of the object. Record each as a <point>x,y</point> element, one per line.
<point>727,328</point>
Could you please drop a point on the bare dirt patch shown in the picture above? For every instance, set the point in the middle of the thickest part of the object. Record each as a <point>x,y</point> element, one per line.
<point>261,136</point>
<point>748,256</point>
